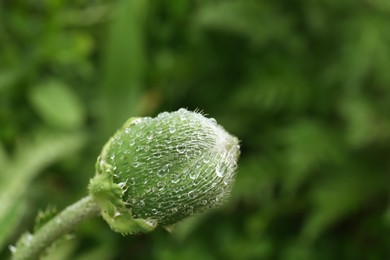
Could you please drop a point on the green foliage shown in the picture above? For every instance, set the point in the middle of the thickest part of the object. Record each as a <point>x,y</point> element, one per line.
<point>303,84</point>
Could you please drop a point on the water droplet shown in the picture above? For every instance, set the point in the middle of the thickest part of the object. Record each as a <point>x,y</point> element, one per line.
<point>194,174</point>
<point>175,178</point>
<point>136,164</point>
<point>181,148</point>
<point>157,154</point>
<point>173,210</point>
<point>196,182</point>
<point>172,129</point>
<point>159,130</point>
<point>213,120</point>
<point>117,214</point>
<point>132,181</point>
<point>163,114</point>
<point>136,121</point>
<point>122,184</point>
<point>190,211</point>
<point>219,170</point>
<point>149,136</point>
<point>160,185</point>
<point>154,211</point>
<point>191,194</point>
<point>141,203</point>
<point>176,189</point>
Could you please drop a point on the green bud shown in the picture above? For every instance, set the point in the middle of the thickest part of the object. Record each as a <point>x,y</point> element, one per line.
<point>157,171</point>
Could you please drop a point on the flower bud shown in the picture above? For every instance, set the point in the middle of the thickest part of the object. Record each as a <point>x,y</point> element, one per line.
<point>157,171</point>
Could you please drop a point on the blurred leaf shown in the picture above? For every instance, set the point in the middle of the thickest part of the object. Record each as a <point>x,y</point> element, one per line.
<point>61,250</point>
<point>58,104</point>
<point>44,216</point>
<point>364,124</point>
<point>8,78</point>
<point>310,147</point>
<point>28,161</point>
<point>3,157</point>
<point>68,48</point>
<point>10,219</point>
<point>124,64</point>
<point>100,252</point>
<point>246,18</point>
<point>336,198</point>
<point>184,228</point>
<point>365,51</point>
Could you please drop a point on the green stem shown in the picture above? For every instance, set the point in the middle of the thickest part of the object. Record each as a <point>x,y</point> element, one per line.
<point>61,224</point>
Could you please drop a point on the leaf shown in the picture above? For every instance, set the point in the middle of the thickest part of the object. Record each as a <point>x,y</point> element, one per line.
<point>124,64</point>
<point>29,160</point>
<point>309,147</point>
<point>44,216</point>
<point>57,104</point>
<point>338,197</point>
<point>10,219</point>
<point>61,250</point>
<point>246,18</point>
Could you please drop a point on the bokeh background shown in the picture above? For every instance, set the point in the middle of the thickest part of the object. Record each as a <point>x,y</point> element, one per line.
<point>305,85</point>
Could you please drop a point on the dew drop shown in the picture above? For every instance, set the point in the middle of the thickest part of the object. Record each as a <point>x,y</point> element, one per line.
<point>181,148</point>
<point>194,174</point>
<point>122,184</point>
<point>175,178</point>
<point>157,154</point>
<point>191,194</point>
<point>190,211</point>
<point>219,169</point>
<point>163,114</point>
<point>159,130</point>
<point>132,181</point>
<point>172,129</point>
<point>141,203</point>
<point>136,121</point>
<point>160,185</point>
<point>196,182</point>
<point>136,164</point>
<point>117,214</point>
<point>213,120</point>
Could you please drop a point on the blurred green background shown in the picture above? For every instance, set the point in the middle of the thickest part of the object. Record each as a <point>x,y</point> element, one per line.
<point>305,85</point>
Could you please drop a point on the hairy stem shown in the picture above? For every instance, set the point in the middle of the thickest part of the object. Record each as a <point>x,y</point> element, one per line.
<point>61,224</point>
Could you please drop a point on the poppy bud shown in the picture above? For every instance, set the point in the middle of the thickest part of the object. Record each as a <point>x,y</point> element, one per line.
<point>157,171</point>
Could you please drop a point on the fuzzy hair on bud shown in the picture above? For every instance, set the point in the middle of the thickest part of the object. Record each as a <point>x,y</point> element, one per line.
<point>157,171</point>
